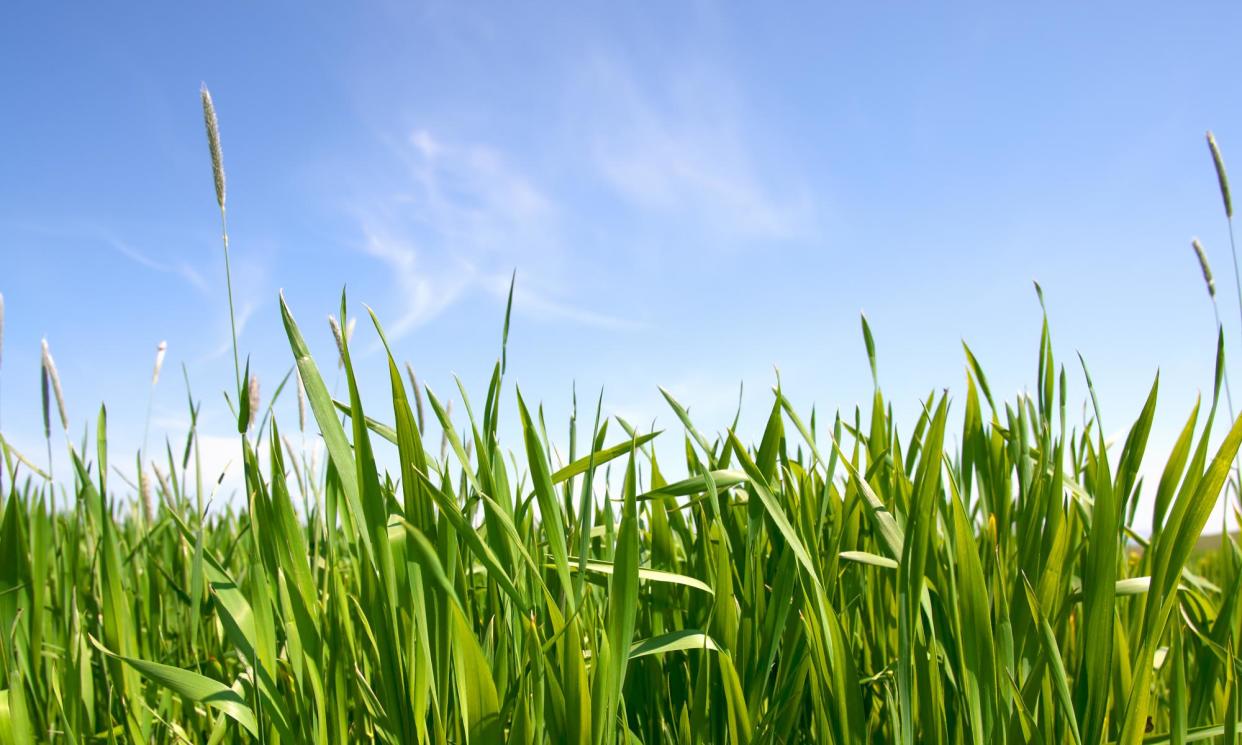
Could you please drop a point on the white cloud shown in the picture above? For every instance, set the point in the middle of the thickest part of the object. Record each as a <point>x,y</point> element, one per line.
<point>541,305</point>
<point>249,275</point>
<point>427,290</point>
<point>181,269</point>
<point>464,219</point>
<point>93,232</point>
<point>689,154</point>
<point>711,401</point>
<point>225,346</point>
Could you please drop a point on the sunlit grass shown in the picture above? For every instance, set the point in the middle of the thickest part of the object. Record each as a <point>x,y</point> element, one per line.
<point>840,581</point>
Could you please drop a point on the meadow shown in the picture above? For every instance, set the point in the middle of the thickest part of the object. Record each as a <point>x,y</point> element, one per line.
<point>842,580</point>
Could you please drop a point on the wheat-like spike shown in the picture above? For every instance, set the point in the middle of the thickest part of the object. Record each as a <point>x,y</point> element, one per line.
<point>340,341</point>
<point>418,394</point>
<point>163,480</point>
<point>301,403</point>
<point>254,400</point>
<point>50,366</point>
<point>444,440</point>
<point>144,491</point>
<point>44,387</point>
<point>1203,265</point>
<point>349,335</point>
<point>290,449</point>
<point>159,361</point>
<point>1219,162</point>
<point>213,142</point>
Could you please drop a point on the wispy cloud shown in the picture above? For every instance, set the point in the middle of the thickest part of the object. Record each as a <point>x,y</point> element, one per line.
<point>427,289</point>
<point>541,305</point>
<point>462,220</point>
<point>711,400</point>
<point>242,316</point>
<point>250,274</point>
<point>181,269</point>
<point>682,147</point>
<point>90,233</point>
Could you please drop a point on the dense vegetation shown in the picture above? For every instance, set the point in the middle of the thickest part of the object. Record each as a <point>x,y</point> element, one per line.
<point>837,582</point>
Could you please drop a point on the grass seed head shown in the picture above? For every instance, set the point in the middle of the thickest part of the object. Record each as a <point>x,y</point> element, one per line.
<point>418,394</point>
<point>213,142</point>
<point>289,448</point>
<point>340,341</point>
<point>254,400</point>
<point>49,367</point>
<point>144,490</point>
<point>1203,265</point>
<point>444,438</point>
<point>1,329</point>
<point>47,408</point>
<point>1219,162</point>
<point>165,487</point>
<point>301,402</point>
<point>159,361</point>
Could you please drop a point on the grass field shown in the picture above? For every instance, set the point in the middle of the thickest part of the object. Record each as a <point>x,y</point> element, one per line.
<point>842,580</point>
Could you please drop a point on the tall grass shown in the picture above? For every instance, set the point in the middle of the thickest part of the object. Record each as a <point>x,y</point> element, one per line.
<point>835,582</point>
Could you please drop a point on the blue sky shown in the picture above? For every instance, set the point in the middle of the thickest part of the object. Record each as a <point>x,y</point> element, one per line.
<point>691,194</point>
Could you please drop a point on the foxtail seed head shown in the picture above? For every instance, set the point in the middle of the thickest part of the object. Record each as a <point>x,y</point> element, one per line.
<point>144,489</point>
<point>159,362</point>
<point>1219,162</point>
<point>213,142</point>
<point>47,407</point>
<point>301,403</point>
<point>444,434</point>
<point>1203,265</point>
<point>49,368</point>
<point>165,487</point>
<point>340,341</point>
<point>418,394</point>
<point>289,448</point>
<point>254,400</point>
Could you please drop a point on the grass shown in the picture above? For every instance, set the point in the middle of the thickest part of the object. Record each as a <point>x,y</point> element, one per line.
<point>837,582</point>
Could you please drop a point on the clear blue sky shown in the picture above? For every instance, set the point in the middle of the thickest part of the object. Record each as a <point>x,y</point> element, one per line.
<point>691,194</point>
